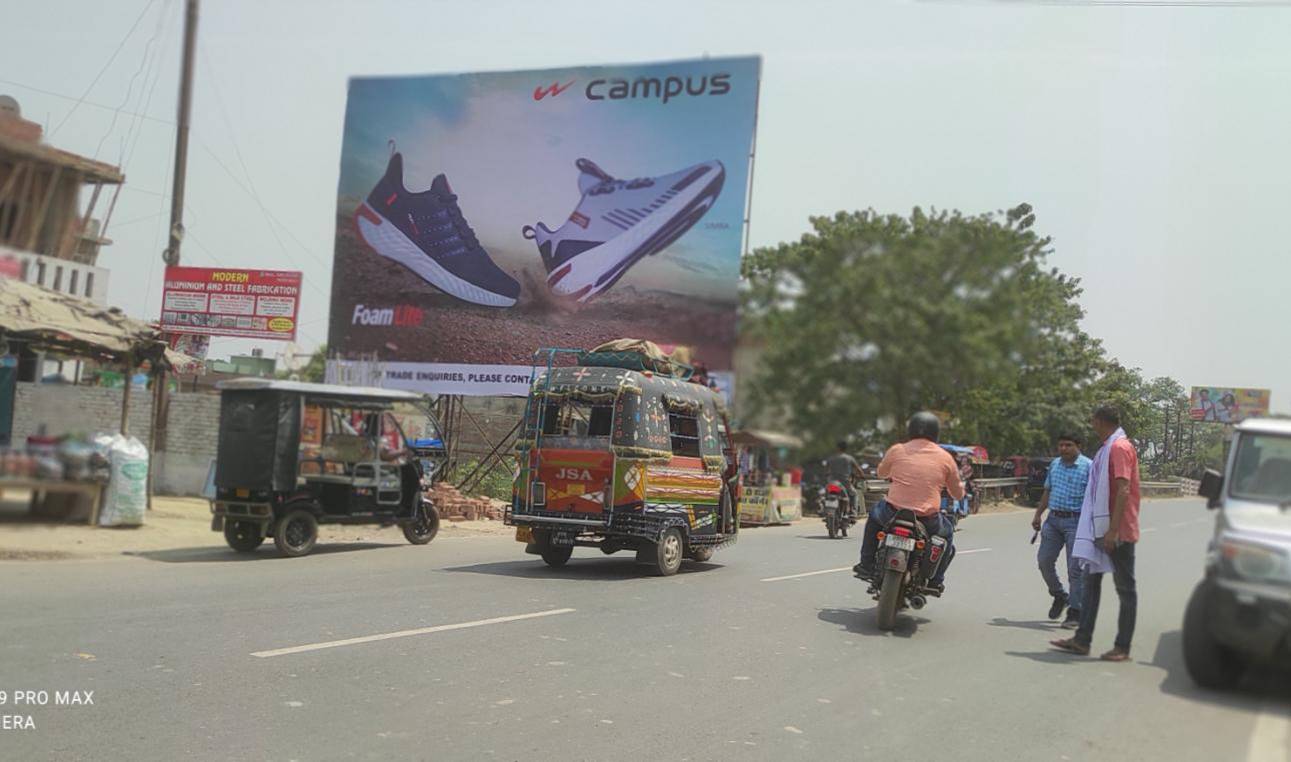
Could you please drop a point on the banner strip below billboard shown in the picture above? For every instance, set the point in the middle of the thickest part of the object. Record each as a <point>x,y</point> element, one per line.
<point>446,378</point>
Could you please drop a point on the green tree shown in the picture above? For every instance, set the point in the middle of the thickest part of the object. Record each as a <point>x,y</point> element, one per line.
<point>315,371</point>
<point>871,317</point>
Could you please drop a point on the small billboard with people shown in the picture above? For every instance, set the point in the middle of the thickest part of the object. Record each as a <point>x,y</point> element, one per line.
<point>1222,404</point>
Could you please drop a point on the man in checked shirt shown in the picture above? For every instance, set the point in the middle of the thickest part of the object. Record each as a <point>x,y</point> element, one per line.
<point>1064,491</point>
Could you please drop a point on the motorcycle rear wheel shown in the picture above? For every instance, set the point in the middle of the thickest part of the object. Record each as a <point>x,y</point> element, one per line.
<point>889,599</point>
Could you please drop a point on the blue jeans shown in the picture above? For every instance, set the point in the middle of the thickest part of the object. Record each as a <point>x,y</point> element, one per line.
<point>1126,591</point>
<point>882,513</point>
<point>1056,534</point>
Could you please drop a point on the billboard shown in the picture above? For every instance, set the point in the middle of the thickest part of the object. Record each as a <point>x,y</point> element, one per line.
<point>1222,404</point>
<point>481,217</point>
<point>252,304</point>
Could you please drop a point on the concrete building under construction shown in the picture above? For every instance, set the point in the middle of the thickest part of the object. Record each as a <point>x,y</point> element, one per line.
<point>49,234</point>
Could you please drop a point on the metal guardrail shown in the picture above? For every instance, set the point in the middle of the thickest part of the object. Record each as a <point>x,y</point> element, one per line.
<point>880,485</point>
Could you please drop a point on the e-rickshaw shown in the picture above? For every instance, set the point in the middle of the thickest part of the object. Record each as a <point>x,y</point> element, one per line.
<point>295,455</point>
<point>621,459</point>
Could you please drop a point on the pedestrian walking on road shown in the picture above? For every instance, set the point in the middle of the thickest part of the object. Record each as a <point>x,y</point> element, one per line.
<point>1064,493</point>
<point>1106,536</point>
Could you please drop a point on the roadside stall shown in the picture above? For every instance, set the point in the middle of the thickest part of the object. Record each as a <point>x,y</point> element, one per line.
<point>85,473</point>
<point>769,488</point>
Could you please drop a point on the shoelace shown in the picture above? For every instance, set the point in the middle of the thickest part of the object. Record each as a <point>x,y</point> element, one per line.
<point>460,225</point>
<point>609,186</point>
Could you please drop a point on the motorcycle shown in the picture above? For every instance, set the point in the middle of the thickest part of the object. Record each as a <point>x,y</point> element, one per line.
<point>836,507</point>
<point>907,559</point>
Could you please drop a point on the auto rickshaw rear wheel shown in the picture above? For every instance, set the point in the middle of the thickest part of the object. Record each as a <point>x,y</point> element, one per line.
<point>423,528</point>
<point>296,533</point>
<point>557,555</point>
<point>700,554</point>
<point>243,536</point>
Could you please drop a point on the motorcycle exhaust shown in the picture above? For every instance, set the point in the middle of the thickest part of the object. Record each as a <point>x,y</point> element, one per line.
<point>917,602</point>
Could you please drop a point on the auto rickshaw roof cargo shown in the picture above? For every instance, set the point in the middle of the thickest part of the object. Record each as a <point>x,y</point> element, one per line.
<point>635,354</point>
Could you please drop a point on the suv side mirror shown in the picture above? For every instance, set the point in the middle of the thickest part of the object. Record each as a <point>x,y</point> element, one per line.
<point>1212,487</point>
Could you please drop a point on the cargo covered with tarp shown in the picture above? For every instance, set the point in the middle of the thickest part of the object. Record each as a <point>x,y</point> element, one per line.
<point>638,355</point>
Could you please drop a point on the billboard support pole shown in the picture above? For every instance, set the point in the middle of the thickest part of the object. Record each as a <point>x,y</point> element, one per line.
<point>490,462</point>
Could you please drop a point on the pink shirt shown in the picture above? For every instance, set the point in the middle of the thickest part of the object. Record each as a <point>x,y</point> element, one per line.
<point>919,470</point>
<point>1123,463</point>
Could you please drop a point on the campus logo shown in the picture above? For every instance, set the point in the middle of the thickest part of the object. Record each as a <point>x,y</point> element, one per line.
<point>553,90</point>
<point>402,315</point>
<point>662,89</point>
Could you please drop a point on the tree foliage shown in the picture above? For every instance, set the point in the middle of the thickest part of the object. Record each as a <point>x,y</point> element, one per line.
<point>871,317</point>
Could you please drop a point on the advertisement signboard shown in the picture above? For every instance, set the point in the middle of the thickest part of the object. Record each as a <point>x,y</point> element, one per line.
<point>252,304</point>
<point>481,217</point>
<point>1223,404</point>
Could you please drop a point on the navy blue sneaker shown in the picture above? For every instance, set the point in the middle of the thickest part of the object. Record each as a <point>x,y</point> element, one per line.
<point>426,233</point>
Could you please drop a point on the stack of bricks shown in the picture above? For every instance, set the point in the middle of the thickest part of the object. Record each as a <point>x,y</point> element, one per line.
<point>454,506</point>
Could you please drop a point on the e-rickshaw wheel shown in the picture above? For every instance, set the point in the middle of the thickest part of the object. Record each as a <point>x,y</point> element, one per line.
<point>422,529</point>
<point>665,556</point>
<point>557,555</point>
<point>296,533</point>
<point>700,554</point>
<point>243,536</point>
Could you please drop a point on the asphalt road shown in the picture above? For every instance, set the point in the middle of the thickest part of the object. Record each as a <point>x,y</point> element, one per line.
<point>199,654</point>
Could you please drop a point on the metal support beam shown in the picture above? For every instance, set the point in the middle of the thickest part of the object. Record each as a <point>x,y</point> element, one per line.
<point>39,221</point>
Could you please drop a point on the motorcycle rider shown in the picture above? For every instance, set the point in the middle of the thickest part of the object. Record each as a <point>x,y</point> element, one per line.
<point>919,469</point>
<point>842,468</point>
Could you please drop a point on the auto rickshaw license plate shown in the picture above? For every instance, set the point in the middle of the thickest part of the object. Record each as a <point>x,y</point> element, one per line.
<point>243,493</point>
<point>524,534</point>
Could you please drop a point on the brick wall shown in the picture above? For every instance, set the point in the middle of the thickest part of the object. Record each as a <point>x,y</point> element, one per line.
<point>192,425</point>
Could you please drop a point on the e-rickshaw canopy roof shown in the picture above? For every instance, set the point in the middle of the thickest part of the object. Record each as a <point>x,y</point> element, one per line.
<point>336,391</point>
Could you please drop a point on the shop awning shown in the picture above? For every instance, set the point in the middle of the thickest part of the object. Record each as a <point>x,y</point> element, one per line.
<point>57,322</point>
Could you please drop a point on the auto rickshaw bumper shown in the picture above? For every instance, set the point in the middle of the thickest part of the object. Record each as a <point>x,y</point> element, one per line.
<point>236,510</point>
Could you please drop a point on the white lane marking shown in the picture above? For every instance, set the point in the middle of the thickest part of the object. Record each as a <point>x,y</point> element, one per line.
<point>848,568</point>
<point>1149,529</point>
<point>406,633</point>
<point>807,574</point>
<point>1269,737</point>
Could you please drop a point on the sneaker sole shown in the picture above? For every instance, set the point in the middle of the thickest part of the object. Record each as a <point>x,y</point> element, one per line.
<point>390,242</point>
<point>597,269</point>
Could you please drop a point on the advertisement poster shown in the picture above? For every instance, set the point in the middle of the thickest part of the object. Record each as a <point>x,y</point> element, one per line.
<point>481,217</point>
<point>1222,404</point>
<point>252,304</point>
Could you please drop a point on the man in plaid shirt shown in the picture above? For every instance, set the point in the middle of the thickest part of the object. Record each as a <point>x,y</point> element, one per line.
<point>1064,492</point>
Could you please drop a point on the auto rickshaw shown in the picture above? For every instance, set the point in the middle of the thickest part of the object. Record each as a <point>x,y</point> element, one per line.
<point>617,458</point>
<point>295,455</point>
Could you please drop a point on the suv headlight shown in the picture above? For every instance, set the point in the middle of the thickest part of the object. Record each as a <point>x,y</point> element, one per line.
<point>1254,561</point>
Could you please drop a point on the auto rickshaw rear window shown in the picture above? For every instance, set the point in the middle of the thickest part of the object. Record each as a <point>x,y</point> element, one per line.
<point>683,428</point>
<point>577,419</point>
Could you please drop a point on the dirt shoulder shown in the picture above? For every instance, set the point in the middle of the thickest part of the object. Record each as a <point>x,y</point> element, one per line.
<point>173,523</point>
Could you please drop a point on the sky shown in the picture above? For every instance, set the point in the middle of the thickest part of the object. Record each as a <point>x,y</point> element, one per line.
<point>1151,138</point>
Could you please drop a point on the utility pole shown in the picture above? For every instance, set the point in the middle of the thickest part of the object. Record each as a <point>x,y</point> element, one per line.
<point>171,255</point>
<point>160,400</point>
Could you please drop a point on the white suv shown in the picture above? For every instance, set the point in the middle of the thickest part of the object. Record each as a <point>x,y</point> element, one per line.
<point>1240,613</point>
